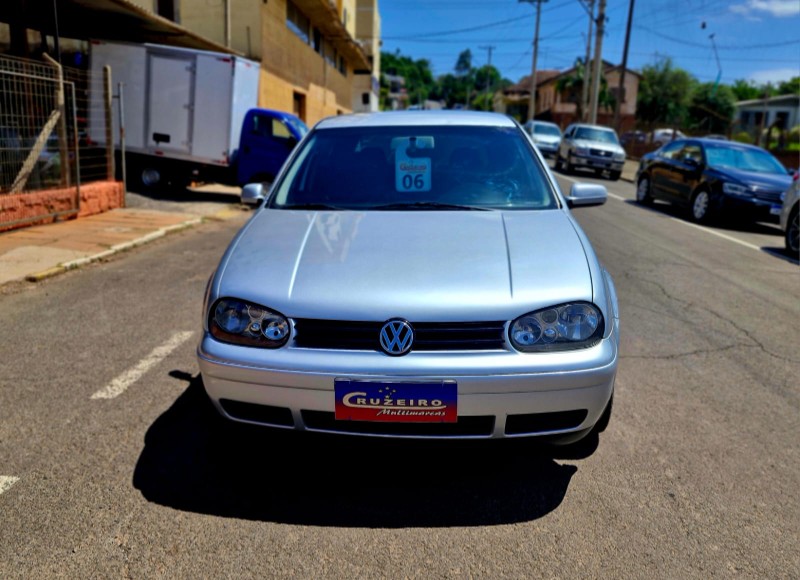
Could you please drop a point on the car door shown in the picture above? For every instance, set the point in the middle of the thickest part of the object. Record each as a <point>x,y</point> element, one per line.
<point>663,173</point>
<point>687,170</point>
<point>266,144</point>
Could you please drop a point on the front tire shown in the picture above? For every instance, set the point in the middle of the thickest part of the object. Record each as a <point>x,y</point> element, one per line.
<point>701,209</point>
<point>615,175</point>
<point>792,236</point>
<point>643,195</point>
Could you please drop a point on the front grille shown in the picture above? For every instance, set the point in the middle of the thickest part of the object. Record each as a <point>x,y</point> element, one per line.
<point>543,422</point>
<point>772,196</point>
<point>480,426</point>
<point>428,336</point>
<point>600,153</point>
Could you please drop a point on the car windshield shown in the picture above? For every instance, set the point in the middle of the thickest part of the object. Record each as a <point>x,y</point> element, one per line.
<point>743,159</point>
<point>591,134</point>
<point>298,125</point>
<point>415,168</point>
<point>546,130</point>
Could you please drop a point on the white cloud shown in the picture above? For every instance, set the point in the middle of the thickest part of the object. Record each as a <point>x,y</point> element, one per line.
<point>774,75</point>
<point>777,8</point>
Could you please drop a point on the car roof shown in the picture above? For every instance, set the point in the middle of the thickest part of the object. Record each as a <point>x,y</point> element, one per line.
<point>590,126</point>
<point>417,119</point>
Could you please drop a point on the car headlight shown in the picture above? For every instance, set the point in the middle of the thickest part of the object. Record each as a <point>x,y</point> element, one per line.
<point>566,327</point>
<point>619,157</point>
<point>735,189</point>
<point>580,151</point>
<point>244,323</point>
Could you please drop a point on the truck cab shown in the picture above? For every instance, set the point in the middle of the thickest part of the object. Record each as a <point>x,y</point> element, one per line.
<point>267,139</point>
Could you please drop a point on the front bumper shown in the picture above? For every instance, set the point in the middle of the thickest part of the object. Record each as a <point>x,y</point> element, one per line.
<point>752,208</point>
<point>501,393</point>
<point>547,149</point>
<point>596,162</point>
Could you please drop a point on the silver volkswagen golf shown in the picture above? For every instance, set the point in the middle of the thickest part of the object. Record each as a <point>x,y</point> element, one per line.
<point>414,274</point>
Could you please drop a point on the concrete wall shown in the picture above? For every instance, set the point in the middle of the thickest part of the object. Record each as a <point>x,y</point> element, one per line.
<point>291,67</point>
<point>96,197</point>
<point>208,19</point>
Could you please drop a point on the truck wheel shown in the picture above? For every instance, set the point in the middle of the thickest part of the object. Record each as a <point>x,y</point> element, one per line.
<point>150,177</point>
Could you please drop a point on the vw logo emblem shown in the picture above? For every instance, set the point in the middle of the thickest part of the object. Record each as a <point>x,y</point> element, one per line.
<point>397,337</point>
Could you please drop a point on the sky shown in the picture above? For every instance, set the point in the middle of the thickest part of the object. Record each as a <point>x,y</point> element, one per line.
<point>756,40</point>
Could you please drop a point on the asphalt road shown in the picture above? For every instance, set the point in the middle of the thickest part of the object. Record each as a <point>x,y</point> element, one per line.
<point>112,463</point>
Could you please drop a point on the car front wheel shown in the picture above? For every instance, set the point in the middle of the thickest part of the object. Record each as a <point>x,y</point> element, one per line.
<point>701,207</point>
<point>643,195</point>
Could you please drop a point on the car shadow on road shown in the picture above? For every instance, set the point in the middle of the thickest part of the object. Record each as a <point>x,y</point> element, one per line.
<point>731,224</point>
<point>194,461</point>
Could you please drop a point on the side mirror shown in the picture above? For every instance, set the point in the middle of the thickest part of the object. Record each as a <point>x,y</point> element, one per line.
<point>691,161</point>
<point>254,194</point>
<point>585,194</point>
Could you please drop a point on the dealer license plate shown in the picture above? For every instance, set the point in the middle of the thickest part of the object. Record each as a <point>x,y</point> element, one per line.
<point>396,402</point>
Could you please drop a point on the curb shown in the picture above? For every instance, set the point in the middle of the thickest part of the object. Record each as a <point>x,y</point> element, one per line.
<point>66,266</point>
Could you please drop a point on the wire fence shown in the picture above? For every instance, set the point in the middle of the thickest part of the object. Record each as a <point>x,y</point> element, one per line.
<point>44,115</point>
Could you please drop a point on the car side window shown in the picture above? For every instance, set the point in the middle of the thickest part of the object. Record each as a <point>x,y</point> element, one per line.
<point>671,150</point>
<point>692,151</point>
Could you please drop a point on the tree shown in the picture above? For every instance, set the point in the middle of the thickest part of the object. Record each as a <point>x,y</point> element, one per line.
<point>572,87</point>
<point>712,108</point>
<point>744,90</point>
<point>790,87</point>
<point>664,94</point>
<point>464,63</point>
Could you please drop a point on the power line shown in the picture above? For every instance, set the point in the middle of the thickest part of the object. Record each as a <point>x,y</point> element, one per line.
<point>705,46</point>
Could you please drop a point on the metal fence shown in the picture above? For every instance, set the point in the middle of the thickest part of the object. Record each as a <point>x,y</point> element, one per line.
<point>44,144</point>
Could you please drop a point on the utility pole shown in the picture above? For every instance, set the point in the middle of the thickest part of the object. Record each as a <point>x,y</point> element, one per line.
<point>587,74</point>
<point>621,90</point>
<point>598,61</point>
<point>532,102</point>
<point>488,67</point>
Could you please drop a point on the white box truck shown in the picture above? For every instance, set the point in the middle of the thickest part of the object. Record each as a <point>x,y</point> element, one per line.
<point>183,110</point>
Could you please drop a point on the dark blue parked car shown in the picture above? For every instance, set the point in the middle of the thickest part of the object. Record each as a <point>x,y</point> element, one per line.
<point>714,179</point>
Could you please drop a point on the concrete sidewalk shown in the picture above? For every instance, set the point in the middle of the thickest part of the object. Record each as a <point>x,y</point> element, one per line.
<point>38,252</point>
<point>629,170</point>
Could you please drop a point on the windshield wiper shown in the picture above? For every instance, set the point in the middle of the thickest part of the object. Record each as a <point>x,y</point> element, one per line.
<point>430,205</point>
<point>322,206</point>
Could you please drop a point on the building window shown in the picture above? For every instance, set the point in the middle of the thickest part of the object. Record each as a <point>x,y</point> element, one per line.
<point>365,98</point>
<point>299,105</point>
<point>297,22</point>
<point>342,66</point>
<point>317,41</point>
<point>167,9</point>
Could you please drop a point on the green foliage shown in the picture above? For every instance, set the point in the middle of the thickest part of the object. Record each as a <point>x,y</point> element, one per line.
<point>793,135</point>
<point>468,86</point>
<point>746,90</point>
<point>743,137</point>
<point>790,87</point>
<point>664,94</point>
<point>712,108</point>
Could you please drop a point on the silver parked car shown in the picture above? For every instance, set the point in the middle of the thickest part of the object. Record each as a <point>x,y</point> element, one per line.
<point>546,136</point>
<point>790,218</point>
<point>414,274</point>
<point>591,147</point>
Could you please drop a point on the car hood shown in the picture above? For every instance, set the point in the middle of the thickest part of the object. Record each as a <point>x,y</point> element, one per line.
<point>599,145</point>
<point>422,265</point>
<point>547,139</point>
<point>763,181</point>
